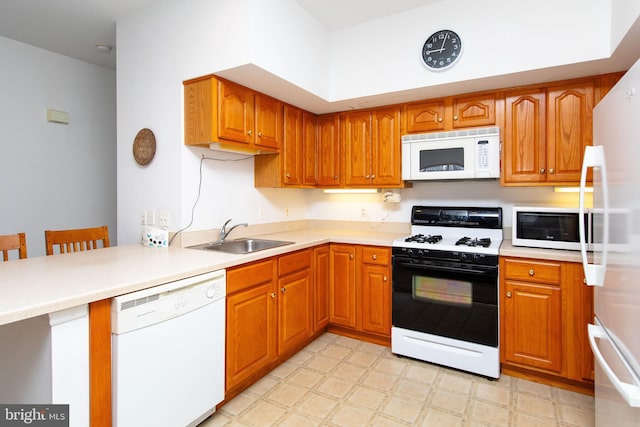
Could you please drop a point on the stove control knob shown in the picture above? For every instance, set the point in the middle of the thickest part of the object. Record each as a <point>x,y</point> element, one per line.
<point>462,257</point>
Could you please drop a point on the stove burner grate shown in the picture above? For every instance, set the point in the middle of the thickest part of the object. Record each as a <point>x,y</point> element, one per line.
<point>421,238</point>
<point>468,241</point>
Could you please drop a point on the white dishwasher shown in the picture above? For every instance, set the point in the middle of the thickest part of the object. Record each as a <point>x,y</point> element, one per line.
<point>168,352</point>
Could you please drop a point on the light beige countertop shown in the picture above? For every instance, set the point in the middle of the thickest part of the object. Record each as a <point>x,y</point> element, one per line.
<point>41,285</point>
<point>507,249</point>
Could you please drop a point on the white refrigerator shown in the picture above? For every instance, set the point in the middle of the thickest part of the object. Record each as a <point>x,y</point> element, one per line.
<point>614,270</point>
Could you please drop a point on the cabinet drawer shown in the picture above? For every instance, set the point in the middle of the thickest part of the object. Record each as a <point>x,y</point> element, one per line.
<point>533,271</point>
<point>294,262</point>
<point>376,255</point>
<point>249,275</point>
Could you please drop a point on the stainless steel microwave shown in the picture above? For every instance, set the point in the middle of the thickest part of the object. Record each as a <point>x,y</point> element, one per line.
<point>550,227</point>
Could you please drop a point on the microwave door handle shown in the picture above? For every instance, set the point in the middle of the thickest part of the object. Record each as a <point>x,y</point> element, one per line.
<point>594,157</point>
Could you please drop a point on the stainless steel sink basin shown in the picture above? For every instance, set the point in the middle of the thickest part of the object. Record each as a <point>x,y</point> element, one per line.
<point>242,246</point>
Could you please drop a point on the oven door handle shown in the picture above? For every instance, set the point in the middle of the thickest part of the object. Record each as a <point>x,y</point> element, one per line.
<point>484,272</point>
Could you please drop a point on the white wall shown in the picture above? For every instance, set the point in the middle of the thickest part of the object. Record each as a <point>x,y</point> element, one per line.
<point>55,176</point>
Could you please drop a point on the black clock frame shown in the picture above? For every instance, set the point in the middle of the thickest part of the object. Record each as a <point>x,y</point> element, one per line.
<point>441,50</point>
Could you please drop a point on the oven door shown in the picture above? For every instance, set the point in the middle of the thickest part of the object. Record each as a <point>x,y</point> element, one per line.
<point>448,299</point>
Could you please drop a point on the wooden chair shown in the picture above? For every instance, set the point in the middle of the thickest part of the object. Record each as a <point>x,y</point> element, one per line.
<point>13,242</point>
<point>80,239</point>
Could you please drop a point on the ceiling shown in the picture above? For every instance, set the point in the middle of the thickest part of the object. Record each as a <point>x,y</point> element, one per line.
<point>74,27</point>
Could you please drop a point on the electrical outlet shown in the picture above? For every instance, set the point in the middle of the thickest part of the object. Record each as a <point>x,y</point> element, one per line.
<point>151,217</point>
<point>143,217</point>
<point>164,218</point>
<point>363,212</point>
<point>286,212</point>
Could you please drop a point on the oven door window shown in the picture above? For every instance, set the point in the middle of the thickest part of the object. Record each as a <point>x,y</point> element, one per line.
<point>452,304</point>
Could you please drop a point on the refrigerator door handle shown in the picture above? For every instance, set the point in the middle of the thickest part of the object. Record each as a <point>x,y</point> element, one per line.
<point>629,392</point>
<point>594,157</point>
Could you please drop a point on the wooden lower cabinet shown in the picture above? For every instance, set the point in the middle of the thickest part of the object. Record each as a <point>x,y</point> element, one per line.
<point>321,288</point>
<point>360,290</point>
<point>270,315</point>
<point>544,311</point>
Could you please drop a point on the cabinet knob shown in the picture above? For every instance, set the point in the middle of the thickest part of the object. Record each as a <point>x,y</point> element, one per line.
<point>350,256</point>
<point>367,176</point>
<point>508,294</point>
<point>335,177</point>
<point>283,290</point>
<point>373,176</point>
<point>551,170</point>
<point>260,134</point>
<point>249,132</point>
<point>385,279</point>
<point>531,272</point>
<point>455,117</point>
<point>541,171</point>
<point>374,256</point>
<point>273,295</point>
<point>288,175</point>
<point>439,119</point>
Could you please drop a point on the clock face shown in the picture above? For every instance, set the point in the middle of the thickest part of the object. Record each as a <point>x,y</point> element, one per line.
<point>441,50</point>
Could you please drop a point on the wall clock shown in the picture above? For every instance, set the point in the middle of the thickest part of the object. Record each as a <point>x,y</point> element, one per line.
<point>441,50</point>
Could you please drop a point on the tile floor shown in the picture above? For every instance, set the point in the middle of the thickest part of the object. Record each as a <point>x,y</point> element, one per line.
<point>338,381</point>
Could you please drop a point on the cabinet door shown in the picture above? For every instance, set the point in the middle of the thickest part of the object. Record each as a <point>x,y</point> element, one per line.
<point>295,310</point>
<point>477,110</point>
<point>328,150</point>
<point>309,149</point>
<point>342,306</point>
<point>251,325</point>
<point>321,288</point>
<point>236,116</point>
<point>376,299</point>
<point>292,146</point>
<point>356,141</point>
<point>423,117</point>
<point>524,149</point>
<point>385,147</point>
<point>569,130</point>
<point>269,121</point>
<point>532,329</point>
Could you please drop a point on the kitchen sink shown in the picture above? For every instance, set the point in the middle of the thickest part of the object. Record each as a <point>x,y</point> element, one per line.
<point>242,246</point>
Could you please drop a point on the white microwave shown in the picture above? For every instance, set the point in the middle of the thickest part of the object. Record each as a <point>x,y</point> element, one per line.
<point>463,154</point>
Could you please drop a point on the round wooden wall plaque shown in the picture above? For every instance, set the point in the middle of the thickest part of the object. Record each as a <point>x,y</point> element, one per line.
<point>144,146</point>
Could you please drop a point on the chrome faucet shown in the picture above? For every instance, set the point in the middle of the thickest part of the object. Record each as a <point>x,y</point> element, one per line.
<point>224,232</point>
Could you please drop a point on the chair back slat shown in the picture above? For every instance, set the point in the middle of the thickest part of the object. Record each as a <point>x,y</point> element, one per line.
<point>12,242</point>
<point>77,240</point>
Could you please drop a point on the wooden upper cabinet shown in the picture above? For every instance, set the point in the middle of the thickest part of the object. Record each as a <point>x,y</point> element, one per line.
<point>371,144</point>
<point>309,146</point>
<point>219,111</point>
<point>421,117</point>
<point>476,110</point>
<point>524,149</point>
<point>236,114</point>
<point>569,130</point>
<point>450,113</point>
<point>293,146</point>
<point>546,131</point>
<point>328,150</point>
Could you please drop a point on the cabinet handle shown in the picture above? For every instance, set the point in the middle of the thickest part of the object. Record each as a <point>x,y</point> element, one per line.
<point>455,117</point>
<point>439,119</point>
<point>335,177</point>
<point>283,290</point>
<point>288,175</point>
<point>350,256</point>
<point>374,256</point>
<point>531,272</point>
<point>508,294</point>
<point>249,132</point>
<point>551,170</point>
<point>260,134</point>
<point>273,295</point>
<point>373,177</point>
<point>385,278</point>
<point>541,171</point>
<point>367,177</point>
